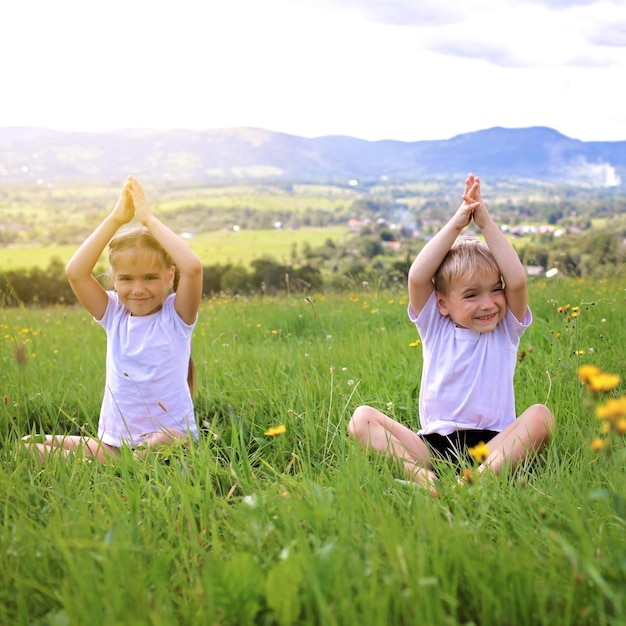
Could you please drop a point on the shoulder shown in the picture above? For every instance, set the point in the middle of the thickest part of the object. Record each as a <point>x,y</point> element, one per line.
<point>428,314</point>
<point>427,310</point>
<point>114,308</point>
<point>169,313</point>
<point>512,327</point>
<point>512,320</point>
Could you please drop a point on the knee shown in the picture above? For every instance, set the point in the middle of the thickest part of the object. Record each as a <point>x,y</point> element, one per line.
<point>548,419</point>
<point>543,419</point>
<point>359,422</point>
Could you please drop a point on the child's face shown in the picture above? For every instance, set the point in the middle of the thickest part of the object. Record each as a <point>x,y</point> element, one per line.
<point>141,281</point>
<point>475,301</point>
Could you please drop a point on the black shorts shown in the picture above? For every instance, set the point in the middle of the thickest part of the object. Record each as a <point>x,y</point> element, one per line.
<point>452,448</point>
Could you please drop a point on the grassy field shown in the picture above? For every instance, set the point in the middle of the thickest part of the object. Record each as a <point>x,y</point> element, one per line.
<point>224,246</point>
<point>299,198</point>
<point>303,527</point>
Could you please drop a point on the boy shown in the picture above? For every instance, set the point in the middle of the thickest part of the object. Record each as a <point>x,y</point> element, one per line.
<point>469,301</point>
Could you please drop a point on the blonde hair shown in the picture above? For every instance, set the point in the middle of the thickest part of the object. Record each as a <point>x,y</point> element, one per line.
<point>128,242</point>
<point>468,255</point>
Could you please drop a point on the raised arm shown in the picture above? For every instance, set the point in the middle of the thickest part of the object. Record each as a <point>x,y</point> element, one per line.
<point>189,290</point>
<point>511,268</point>
<point>80,267</point>
<point>432,254</point>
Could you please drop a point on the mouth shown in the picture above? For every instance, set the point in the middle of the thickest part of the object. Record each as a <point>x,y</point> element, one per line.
<point>487,318</point>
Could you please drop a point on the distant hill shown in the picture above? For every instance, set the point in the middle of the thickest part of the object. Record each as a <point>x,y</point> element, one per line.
<point>536,154</point>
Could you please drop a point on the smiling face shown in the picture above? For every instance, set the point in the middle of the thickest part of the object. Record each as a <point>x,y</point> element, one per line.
<point>475,301</point>
<point>141,281</point>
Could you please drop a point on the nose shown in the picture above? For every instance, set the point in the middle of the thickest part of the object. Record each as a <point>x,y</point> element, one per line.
<point>486,302</point>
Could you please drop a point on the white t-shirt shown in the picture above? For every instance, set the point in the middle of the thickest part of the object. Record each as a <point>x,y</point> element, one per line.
<point>467,376</point>
<point>147,362</point>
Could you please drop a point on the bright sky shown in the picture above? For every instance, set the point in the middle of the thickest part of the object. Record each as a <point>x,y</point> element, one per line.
<point>374,69</point>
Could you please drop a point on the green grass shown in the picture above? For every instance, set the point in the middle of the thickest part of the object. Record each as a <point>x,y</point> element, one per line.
<point>214,247</point>
<point>244,246</point>
<point>304,528</point>
<point>29,257</point>
<point>301,198</point>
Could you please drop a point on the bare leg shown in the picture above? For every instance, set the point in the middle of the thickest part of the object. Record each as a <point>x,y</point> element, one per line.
<point>70,444</point>
<point>165,436</point>
<point>520,440</point>
<point>375,430</point>
<point>160,438</point>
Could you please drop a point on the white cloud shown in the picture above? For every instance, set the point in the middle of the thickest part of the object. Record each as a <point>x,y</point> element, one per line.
<point>370,68</point>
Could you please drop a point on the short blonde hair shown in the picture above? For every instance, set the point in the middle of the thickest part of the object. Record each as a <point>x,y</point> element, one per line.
<point>130,240</point>
<point>468,255</point>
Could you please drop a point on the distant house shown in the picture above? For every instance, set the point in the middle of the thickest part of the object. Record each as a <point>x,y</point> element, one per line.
<point>356,226</point>
<point>391,245</point>
<point>534,270</point>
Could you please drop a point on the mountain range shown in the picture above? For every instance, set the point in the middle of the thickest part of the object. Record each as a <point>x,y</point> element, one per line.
<point>246,154</point>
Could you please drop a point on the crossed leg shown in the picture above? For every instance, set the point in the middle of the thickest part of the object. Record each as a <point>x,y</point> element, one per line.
<point>522,439</point>
<point>375,430</point>
<point>70,444</point>
<point>94,448</point>
<point>162,437</point>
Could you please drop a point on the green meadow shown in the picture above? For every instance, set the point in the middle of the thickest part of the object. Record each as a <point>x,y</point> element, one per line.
<point>296,525</point>
<point>213,247</point>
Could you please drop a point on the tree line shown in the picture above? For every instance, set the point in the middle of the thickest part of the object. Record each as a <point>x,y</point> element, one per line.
<point>367,258</point>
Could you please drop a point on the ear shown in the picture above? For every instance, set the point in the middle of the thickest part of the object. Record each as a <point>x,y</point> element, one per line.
<point>171,273</point>
<point>442,304</point>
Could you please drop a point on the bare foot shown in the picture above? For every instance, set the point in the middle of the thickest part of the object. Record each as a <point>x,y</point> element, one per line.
<point>422,477</point>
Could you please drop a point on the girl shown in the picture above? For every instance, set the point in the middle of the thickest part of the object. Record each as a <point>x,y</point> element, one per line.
<point>147,398</point>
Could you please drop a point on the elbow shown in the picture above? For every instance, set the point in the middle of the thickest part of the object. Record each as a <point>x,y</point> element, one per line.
<point>517,284</point>
<point>193,269</point>
<point>417,278</point>
<point>413,276</point>
<point>196,267</point>
<point>70,270</point>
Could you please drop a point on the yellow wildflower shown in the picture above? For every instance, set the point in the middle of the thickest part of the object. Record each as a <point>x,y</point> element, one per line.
<point>621,426</point>
<point>603,382</point>
<point>614,408</point>
<point>585,372</point>
<point>606,427</point>
<point>479,452</point>
<point>467,475</point>
<point>272,431</point>
<point>597,444</point>
<point>415,343</point>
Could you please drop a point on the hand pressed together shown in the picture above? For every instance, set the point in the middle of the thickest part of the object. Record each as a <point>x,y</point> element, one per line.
<point>124,210</point>
<point>132,201</point>
<point>142,210</point>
